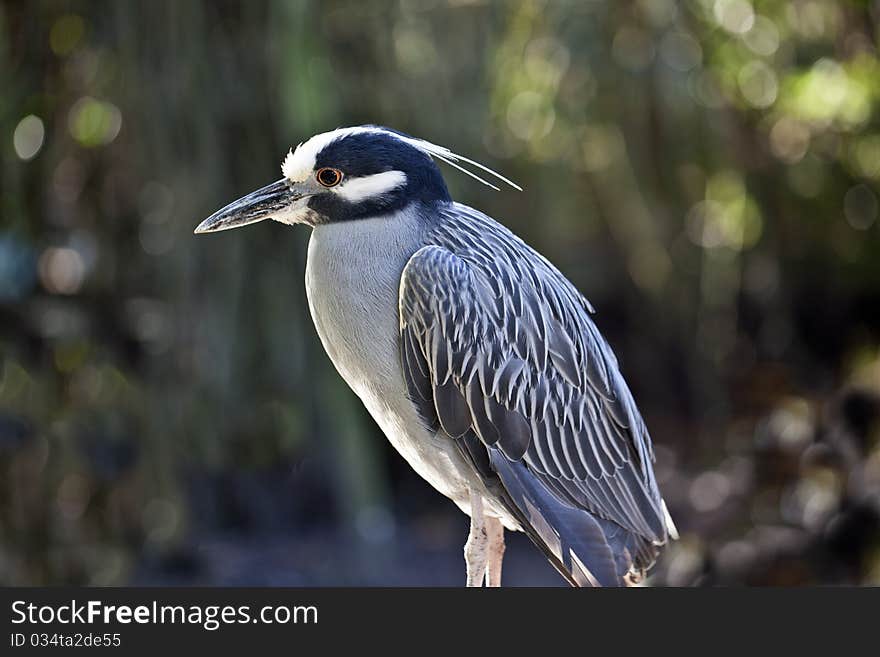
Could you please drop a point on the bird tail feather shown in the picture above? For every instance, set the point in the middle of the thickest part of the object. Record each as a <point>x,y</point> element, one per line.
<point>581,546</point>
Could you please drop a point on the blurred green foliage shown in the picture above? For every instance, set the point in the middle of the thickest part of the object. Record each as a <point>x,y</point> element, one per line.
<point>706,172</point>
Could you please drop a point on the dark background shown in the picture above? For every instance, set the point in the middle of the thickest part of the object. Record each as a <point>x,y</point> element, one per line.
<point>705,172</point>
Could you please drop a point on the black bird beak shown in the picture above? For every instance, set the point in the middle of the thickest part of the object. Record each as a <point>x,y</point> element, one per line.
<point>256,206</point>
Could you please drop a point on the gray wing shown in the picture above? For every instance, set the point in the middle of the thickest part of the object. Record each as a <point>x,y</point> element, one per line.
<point>496,341</point>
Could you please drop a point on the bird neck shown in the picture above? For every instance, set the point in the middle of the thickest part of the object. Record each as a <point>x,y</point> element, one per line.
<point>373,248</point>
<point>352,279</point>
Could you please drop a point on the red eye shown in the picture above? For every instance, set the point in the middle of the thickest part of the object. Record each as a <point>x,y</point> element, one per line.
<point>328,176</point>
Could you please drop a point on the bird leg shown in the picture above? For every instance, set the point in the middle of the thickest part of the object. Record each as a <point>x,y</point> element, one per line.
<point>495,530</point>
<point>476,549</point>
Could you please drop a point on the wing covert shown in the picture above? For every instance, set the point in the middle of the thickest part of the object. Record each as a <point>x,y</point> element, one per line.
<point>502,344</point>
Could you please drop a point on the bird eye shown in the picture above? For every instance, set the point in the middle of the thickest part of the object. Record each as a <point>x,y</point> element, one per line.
<point>328,176</point>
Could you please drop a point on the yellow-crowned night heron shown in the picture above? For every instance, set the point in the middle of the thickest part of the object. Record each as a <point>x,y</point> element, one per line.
<point>475,355</point>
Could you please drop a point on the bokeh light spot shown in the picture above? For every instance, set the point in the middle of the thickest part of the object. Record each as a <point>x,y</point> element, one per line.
<point>865,153</point>
<point>763,38</point>
<point>860,207</point>
<point>530,115</point>
<point>94,122</point>
<point>414,48</point>
<point>736,16</point>
<point>545,61</point>
<point>728,217</point>
<point>680,51</point>
<point>789,139</point>
<point>62,270</point>
<point>791,425</point>
<point>601,146</point>
<point>66,34</point>
<point>659,12</point>
<point>758,84</point>
<point>705,90</point>
<point>709,491</point>
<point>28,137</point>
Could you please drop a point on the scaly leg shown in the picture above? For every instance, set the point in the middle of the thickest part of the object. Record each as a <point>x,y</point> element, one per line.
<point>476,548</point>
<point>495,530</point>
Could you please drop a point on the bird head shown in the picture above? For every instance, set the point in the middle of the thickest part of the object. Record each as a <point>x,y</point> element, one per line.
<point>348,174</point>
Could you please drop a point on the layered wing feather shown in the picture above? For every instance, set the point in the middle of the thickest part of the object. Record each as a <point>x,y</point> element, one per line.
<point>497,341</point>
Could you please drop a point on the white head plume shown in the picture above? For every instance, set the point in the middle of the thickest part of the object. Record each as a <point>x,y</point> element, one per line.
<point>299,163</point>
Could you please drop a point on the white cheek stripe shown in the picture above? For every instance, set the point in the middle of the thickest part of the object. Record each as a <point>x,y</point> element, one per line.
<point>354,190</point>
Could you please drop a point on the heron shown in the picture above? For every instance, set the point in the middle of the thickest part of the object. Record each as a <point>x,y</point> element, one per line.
<point>477,358</point>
